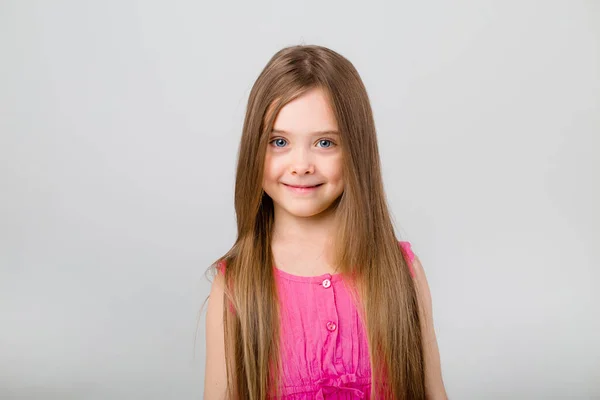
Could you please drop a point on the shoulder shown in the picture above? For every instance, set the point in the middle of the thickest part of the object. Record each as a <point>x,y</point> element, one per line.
<point>217,289</point>
<point>417,272</point>
<point>421,282</point>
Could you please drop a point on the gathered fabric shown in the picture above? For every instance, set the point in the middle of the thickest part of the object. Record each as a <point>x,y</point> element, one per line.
<point>338,384</point>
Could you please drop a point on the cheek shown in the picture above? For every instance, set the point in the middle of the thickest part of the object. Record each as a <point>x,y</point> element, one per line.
<point>334,170</point>
<point>271,169</point>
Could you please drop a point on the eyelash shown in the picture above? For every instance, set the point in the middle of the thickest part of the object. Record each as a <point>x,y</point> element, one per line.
<point>320,140</point>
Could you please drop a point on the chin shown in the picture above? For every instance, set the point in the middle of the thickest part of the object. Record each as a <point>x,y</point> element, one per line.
<point>305,211</point>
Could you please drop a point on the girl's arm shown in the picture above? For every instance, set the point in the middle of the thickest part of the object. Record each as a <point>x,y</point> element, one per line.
<point>434,385</point>
<point>215,373</point>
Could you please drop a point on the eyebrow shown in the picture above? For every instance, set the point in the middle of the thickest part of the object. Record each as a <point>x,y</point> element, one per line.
<point>325,132</point>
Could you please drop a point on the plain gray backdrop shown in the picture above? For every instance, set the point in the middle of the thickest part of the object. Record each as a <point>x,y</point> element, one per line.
<point>120,123</point>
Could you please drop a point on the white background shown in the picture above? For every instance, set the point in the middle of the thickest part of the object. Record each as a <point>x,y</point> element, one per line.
<point>119,128</point>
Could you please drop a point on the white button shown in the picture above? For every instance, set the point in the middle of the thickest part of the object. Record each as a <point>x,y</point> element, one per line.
<point>326,283</point>
<point>331,326</point>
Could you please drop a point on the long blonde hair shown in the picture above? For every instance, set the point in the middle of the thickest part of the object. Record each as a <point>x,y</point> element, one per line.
<point>366,248</point>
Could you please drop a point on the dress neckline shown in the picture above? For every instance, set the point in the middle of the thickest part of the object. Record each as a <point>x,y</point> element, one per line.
<point>307,279</point>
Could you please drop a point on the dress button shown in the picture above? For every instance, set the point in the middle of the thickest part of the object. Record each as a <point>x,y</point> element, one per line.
<point>331,326</point>
<point>326,283</point>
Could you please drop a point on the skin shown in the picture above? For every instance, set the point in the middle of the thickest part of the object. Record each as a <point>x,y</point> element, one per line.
<point>301,153</point>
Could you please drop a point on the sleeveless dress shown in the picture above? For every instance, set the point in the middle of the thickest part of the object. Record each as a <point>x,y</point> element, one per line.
<point>323,341</point>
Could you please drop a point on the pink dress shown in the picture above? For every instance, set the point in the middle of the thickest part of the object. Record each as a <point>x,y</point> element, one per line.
<point>324,345</point>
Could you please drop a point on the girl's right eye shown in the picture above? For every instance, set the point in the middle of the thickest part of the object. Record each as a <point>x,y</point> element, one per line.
<point>278,141</point>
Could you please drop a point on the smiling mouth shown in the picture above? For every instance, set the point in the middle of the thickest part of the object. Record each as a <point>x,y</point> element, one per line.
<point>303,187</point>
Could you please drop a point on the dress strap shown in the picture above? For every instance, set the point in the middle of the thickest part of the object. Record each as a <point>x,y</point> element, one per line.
<point>407,251</point>
<point>221,268</point>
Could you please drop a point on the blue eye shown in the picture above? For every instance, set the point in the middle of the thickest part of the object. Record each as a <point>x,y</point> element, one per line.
<point>326,141</point>
<point>278,140</point>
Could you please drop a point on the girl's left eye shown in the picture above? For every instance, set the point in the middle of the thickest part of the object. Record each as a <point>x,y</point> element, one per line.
<point>326,141</point>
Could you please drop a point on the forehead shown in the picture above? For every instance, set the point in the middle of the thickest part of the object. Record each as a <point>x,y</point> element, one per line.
<point>308,113</point>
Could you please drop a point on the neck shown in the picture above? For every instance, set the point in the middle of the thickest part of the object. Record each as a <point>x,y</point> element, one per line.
<point>315,230</point>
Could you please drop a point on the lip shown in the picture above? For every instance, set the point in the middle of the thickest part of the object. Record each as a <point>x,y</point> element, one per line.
<point>302,189</point>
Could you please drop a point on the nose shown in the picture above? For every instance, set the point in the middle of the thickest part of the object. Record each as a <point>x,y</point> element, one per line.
<point>301,163</point>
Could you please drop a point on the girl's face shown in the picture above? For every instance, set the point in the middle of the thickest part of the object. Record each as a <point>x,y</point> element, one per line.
<point>303,162</point>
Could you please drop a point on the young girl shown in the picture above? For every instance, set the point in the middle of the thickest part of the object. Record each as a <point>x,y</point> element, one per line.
<point>317,299</point>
